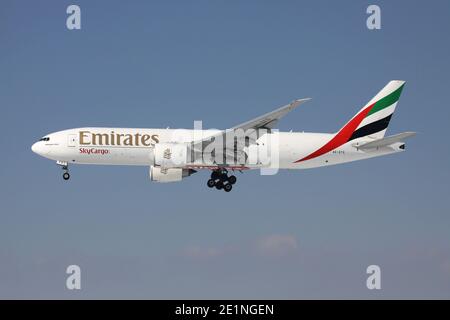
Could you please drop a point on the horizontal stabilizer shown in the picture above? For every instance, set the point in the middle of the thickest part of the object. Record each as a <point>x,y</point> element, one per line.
<point>386,141</point>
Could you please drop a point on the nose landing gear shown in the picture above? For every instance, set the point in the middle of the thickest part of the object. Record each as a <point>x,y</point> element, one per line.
<point>221,180</point>
<point>64,165</point>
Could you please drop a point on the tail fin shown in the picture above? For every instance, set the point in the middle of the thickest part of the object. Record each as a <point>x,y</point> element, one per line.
<point>373,119</point>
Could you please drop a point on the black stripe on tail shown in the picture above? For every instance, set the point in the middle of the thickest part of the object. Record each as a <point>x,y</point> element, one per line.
<point>371,128</point>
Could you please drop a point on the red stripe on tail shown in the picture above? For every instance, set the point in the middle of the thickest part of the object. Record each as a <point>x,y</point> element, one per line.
<point>341,137</point>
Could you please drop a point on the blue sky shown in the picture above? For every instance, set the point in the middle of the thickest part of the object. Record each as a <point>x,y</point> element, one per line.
<point>298,234</point>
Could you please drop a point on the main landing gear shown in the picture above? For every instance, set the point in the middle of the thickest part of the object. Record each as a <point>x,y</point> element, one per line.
<point>221,180</point>
<point>65,166</point>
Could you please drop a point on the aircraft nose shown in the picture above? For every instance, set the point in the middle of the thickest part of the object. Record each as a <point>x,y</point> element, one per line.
<point>35,147</point>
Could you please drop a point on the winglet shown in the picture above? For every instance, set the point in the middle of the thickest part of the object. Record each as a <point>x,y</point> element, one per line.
<point>297,102</point>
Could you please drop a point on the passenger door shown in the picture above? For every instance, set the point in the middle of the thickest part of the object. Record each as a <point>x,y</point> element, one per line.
<point>72,140</point>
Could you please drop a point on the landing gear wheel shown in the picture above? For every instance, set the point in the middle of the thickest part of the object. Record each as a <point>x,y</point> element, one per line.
<point>219,185</point>
<point>232,179</point>
<point>66,176</point>
<point>211,183</point>
<point>215,175</point>
<point>227,187</point>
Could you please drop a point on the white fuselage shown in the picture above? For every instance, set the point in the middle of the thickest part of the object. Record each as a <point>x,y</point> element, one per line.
<point>130,146</point>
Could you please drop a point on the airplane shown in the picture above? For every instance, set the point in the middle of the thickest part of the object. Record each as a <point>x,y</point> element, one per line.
<point>174,154</point>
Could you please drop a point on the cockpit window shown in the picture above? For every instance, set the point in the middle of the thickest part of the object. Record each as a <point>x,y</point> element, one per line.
<point>44,139</point>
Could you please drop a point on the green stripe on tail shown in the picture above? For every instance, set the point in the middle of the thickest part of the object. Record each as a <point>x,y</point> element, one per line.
<point>386,101</point>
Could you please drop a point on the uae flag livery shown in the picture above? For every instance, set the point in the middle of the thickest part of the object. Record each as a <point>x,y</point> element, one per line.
<point>372,120</point>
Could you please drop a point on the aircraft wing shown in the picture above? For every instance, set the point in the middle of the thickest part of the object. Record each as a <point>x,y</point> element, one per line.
<point>386,141</point>
<point>270,119</point>
<point>267,121</point>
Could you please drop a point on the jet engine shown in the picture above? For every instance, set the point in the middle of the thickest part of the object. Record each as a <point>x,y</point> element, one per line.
<point>158,174</point>
<point>169,155</point>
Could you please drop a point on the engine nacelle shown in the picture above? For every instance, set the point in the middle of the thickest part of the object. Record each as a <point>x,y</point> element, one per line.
<point>169,155</point>
<point>158,174</point>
